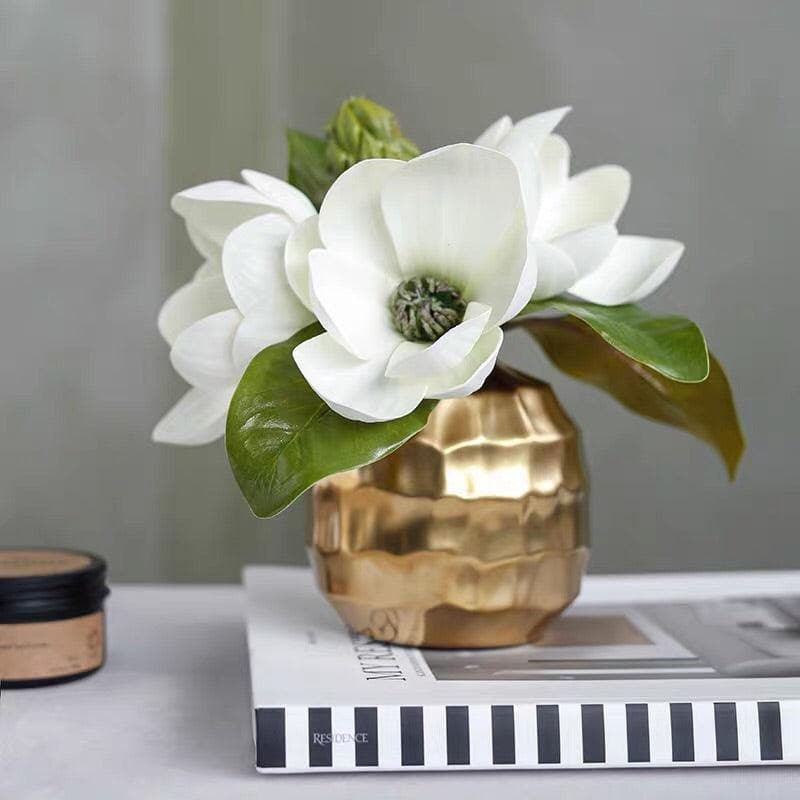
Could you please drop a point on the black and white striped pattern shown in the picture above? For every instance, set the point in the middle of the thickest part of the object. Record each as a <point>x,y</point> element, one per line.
<point>529,736</point>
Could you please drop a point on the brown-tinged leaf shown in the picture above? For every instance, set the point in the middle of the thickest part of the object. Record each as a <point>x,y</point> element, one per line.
<point>705,409</point>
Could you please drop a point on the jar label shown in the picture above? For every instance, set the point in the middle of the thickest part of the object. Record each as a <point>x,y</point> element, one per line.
<point>26,563</point>
<point>35,650</point>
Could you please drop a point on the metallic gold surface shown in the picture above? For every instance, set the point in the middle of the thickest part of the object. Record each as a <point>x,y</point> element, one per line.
<point>472,534</point>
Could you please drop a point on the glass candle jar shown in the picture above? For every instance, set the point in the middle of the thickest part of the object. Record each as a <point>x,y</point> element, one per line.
<point>52,621</point>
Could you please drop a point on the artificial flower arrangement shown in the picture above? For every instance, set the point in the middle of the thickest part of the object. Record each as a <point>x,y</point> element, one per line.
<point>334,310</point>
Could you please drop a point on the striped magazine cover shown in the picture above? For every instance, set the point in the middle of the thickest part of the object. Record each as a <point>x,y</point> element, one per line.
<point>611,686</point>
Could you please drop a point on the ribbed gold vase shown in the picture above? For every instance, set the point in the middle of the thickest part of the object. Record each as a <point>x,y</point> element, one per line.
<point>472,534</point>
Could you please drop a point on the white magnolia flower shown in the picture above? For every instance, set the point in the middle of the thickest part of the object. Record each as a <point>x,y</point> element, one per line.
<point>212,211</point>
<point>417,265</point>
<point>572,220</point>
<point>239,301</point>
<point>202,355</point>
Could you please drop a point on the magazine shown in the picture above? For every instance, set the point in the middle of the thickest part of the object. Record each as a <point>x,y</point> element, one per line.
<point>712,682</point>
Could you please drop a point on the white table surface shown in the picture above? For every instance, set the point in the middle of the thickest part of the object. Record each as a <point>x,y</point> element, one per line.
<point>169,717</point>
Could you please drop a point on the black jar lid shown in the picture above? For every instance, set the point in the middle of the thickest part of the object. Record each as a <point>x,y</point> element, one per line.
<point>41,583</point>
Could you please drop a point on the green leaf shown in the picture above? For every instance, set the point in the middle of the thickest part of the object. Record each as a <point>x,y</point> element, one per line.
<point>671,345</point>
<point>308,165</point>
<point>282,438</point>
<point>706,409</point>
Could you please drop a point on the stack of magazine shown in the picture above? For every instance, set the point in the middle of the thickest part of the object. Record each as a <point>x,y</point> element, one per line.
<point>660,684</point>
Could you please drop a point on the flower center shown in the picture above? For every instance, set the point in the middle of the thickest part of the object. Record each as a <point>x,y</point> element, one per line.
<point>423,309</point>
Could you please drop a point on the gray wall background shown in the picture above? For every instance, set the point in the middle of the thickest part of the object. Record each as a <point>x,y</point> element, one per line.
<point>106,109</point>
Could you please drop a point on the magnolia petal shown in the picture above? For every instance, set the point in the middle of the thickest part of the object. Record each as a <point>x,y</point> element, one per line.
<point>659,275</point>
<point>197,418</point>
<point>469,376</point>
<point>495,133</point>
<point>303,239</point>
<point>190,303</point>
<point>213,210</point>
<point>203,354</point>
<point>525,289</point>
<point>265,324</point>
<point>351,300</point>
<point>508,282</point>
<point>557,271</point>
<point>356,389</point>
<point>350,220</point>
<point>416,360</point>
<point>554,156</point>
<point>592,197</point>
<point>636,266</point>
<point>538,126</point>
<point>200,196</point>
<point>523,151</point>
<point>458,212</point>
<point>280,194</point>
<point>587,247</point>
<point>209,269</point>
<point>252,262</point>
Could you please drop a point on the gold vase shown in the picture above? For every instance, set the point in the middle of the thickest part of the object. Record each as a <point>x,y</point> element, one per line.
<point>472,534</point>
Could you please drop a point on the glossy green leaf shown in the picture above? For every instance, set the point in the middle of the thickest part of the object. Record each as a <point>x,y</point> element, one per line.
<point>282,438</point>
<point>705,409</point>
<point>308,165</point>
<point>671,345</point>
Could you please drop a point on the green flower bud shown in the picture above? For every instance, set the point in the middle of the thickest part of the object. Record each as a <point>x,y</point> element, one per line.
<point>362,129</point>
